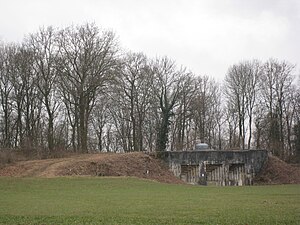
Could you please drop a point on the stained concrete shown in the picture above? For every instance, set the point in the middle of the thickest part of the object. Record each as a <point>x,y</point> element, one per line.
<point>210,167</point>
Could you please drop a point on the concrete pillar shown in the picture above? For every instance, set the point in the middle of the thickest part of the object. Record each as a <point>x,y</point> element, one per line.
<point>226,174</point>
<point>220,177</point>
<point>194,174</point>
<point>240,181</point>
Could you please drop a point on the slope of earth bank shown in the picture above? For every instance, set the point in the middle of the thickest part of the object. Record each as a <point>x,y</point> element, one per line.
<point>277,171</point>
<point>104,164</point>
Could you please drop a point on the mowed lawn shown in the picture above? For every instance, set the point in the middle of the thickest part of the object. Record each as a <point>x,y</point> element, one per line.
<point>134,201</point>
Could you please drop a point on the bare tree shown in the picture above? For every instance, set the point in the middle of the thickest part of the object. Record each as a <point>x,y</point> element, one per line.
<point>290,119</point>
<point>167,89</point>
<point>101,117</point>
<point>276,84</point>
<point>241,85</point>
<point>253,72</point>
<point>296,126</point>
<point>87,59</point>
<point>25,99</point>
<point>134,82</point>
<point>5,96</point>
<point>182,137</point>
<point>235,82</point>
<point>43,44</point>
<point>204,109</point>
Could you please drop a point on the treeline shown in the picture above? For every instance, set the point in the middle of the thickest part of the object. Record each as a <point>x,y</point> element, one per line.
<point>74,89</point>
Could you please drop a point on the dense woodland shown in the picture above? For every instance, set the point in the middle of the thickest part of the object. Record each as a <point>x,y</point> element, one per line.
<point>75,89</point>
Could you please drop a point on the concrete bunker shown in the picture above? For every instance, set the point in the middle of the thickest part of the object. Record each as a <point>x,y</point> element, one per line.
<point>221,168</point>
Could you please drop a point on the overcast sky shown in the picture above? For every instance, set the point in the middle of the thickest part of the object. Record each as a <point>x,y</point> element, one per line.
<point>206,36</point>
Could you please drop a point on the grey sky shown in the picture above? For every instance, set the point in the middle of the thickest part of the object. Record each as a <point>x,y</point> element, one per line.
<point>205,36</point>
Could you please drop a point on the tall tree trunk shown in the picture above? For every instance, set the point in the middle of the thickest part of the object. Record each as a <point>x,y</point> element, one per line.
<point>82,124</point>
<point>162,138</point>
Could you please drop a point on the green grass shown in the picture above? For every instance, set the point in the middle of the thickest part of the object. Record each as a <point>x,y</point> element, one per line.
<point>134,201</point>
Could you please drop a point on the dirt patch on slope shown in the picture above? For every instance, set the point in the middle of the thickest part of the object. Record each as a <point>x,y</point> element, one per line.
<point>277,171</point>
<point>104,164</point>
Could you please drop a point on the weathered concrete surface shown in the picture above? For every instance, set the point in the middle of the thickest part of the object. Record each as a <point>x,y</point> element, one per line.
<point>216,167</point>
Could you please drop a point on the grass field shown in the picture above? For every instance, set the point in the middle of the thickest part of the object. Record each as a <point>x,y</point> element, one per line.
<point>134,201</point>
